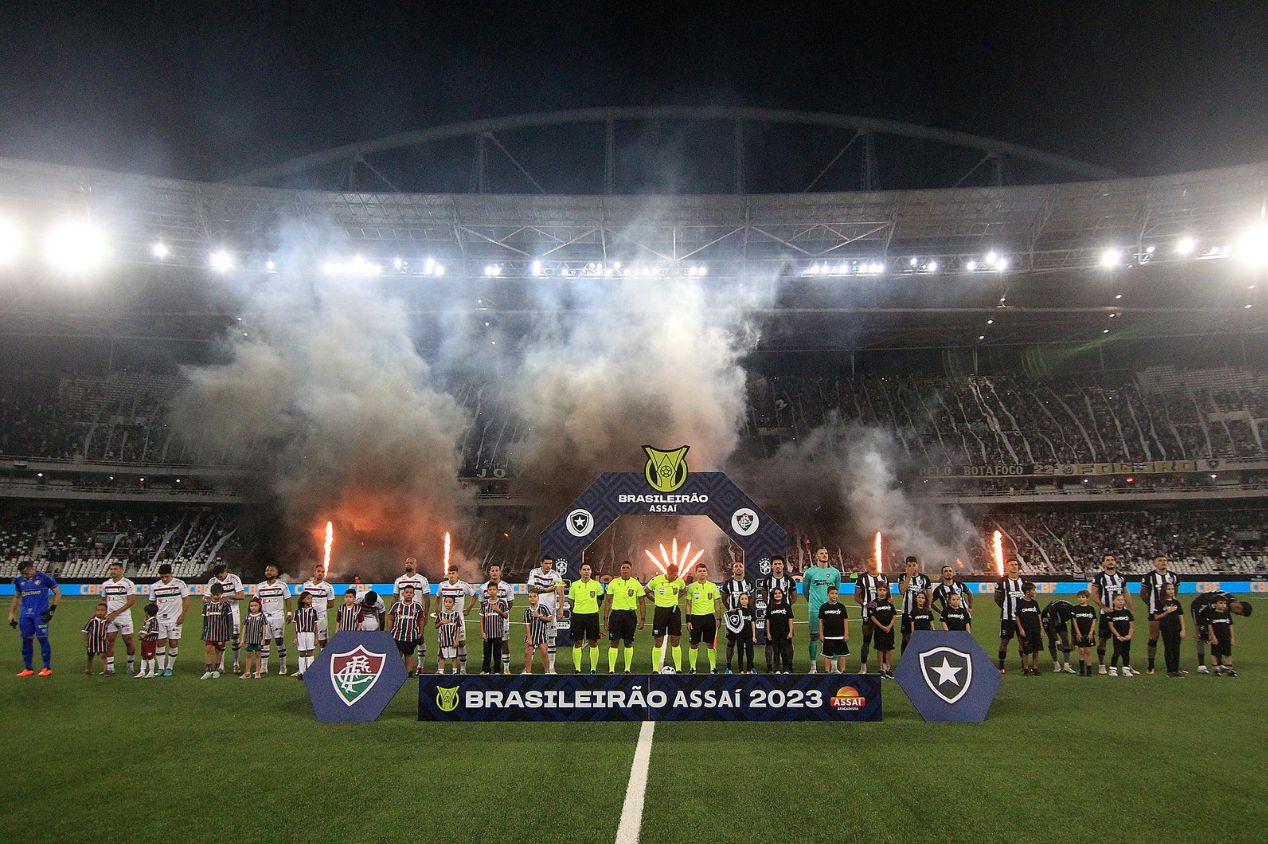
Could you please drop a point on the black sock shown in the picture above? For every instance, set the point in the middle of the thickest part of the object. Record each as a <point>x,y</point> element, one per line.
<point>1152,651</point>
<point>1003,655</point>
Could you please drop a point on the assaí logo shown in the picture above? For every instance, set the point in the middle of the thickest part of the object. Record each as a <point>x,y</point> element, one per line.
<point>847,698</point>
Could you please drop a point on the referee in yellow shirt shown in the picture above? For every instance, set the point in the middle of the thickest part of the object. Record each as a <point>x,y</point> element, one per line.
<point>704,613</point>
<point>666,590</point>
<point>625,596</point>
<point>585,595</point>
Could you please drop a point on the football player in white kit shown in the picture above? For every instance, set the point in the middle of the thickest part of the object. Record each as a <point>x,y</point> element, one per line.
<point>463,595</point>
<point>172,597</point>
<point>275,603</point>
<point>233,593</point>
<point>422,597</point>
<point>549,586</point>
<point>119,593</point>
<point>504,594</point>
<point>323,595</point>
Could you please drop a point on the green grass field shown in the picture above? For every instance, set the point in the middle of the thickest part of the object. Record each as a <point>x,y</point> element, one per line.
<point>1061,757</point>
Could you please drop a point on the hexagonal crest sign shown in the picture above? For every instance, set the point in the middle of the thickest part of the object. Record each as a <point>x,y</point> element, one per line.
<point>948,676</point>
<point>355,677</point>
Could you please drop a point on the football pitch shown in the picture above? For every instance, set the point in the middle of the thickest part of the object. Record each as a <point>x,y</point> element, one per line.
<point>1062,757</point>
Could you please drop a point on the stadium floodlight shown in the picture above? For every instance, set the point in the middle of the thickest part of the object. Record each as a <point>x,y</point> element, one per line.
<point>10,241</point>
<point>914,262</point>
<point>932,266</point>
<point>221,261</point>
<point>1001,264</point>
<point>990,322</point>
<point>971,265</point>
<point>160,250</point>
<point>1252,246</point>
<point>981,336</point>
<point>1186,245</point>
<point>492,270</point>
<point>270,265</point>
<point>537,268</point>
<point>1111,257</point>
<point>992,258</point>
<point>398,264</point>
<point>76,247</point>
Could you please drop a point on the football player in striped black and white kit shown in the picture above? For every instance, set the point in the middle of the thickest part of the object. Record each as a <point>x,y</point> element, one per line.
<point>911,584</point>
<point>766,587</point>
<point>1105,586</point>
<point>867,591</point>
<point>548,585</point>
<point>1153,591</point>
<point>1009,589</point>
<point>948,586</point>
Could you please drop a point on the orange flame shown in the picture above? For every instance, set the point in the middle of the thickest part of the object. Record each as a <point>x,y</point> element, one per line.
<point>877,551</point>
<point>997,542</point>
<point>445,569</point>
<point>684,560</point>
<point>326,546</point>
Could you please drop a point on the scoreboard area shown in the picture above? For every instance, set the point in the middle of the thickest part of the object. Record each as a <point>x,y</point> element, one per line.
<point>1061,756</point>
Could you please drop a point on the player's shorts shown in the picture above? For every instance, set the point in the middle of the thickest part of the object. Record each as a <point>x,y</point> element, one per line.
<point>666,621</point>
<point>904,625</point>
<point>704,628</point>
<point>32,625</point>
<point>275,625</point>
<point>236,612</point>
<point>1153,616</point>
<point>169,629</point>
<point>253,649</point>
<point>305,641</point>
<point>1084,641</point>
<point>813,618</point>
<point>448,653</point>
<point>585,625</point>
<point>1103,628</point>
<point>406,648</point>
<point>839,647</point>
<point>323,626</point>
<point>622,625</point>
<point>149,647</point>
<point>121,623</point>
<point>552,630</point>
<point>1059,631</point>
<point>883,640</point>
<point>1007,629</point>
<point>218,644</point>
<point>1030,643</point>
<point>1219,648</point>
<point>760,624</point>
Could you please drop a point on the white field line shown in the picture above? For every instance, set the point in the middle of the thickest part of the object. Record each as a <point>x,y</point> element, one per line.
<point>632,810</point>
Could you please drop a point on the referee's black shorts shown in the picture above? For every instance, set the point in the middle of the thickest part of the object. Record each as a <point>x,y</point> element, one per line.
<point>621,626</point>
<point>585,625</point>
<point>704,628</point>
<point>666,621</point>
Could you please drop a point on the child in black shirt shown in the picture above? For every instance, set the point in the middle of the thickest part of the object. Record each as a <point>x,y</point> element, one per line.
<point>1122,624</point>
<point>955,616</point>
<point>1083,616</point>
<point>741,634</point>
<point>1221,627</point>
<point>779,632</point>
<point>882,617</point>
<point>922,616</point>
<point>1029,630</point>
<point>1170,618</point>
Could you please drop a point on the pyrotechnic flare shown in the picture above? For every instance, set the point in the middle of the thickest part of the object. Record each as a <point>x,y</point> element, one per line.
<point>877,551</point>
<point>997,541</point>
<point>684,561</point>
<point>327,545</point>
<point>445,569</point>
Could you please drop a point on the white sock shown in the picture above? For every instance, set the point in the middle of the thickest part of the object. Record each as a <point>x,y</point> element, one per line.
<point>110,663</point>
<point>171,658</point>
<point>160,656</point>
<point>264,659</point>
<point>131,660</point>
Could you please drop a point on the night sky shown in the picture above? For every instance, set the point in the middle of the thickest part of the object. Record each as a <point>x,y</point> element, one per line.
<point>207,90</point>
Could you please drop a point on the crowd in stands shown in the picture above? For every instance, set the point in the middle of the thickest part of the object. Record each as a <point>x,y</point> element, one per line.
<point>1157,414</point>
<point>73,543</point>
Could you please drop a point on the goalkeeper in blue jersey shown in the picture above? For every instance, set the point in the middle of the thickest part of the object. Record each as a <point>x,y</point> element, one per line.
<point>816,582</point>
<point>31,612</point>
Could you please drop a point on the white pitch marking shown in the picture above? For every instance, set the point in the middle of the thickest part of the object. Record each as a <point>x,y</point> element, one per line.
<point>632,810</point>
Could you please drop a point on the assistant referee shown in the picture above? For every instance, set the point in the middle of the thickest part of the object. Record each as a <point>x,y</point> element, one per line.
<point>625,596</point>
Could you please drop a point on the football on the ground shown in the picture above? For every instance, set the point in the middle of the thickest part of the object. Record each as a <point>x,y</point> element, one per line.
<point>668,669</point>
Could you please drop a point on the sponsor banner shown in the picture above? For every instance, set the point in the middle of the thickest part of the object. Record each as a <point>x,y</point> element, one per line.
<point>654,697</point>
<point>355,677</point>
<point>948,676</point>
<point>985,587</point>
<point>1076,470</point>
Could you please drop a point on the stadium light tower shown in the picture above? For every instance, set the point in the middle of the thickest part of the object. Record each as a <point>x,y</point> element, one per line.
<point>76,247</point>
<point>221,261</point>
<point>1111,258</point>
<point>1252,247</point>
<point>1186,245</point>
